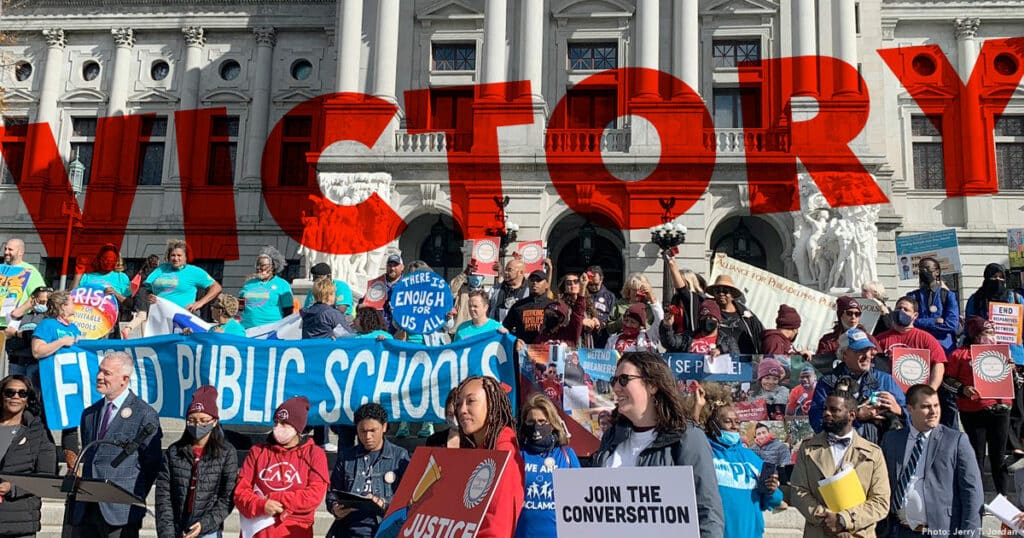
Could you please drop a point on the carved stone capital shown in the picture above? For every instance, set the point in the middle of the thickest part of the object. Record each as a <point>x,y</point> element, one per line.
<point>266,36</point>
<point>194,36</point>
<point>123,37</point>
<point>55,37</point>
<point>966,27</point>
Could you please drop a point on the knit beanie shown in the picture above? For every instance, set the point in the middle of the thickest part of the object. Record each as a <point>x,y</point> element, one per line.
<point>293,412</point>
<point>769,366</point>
<point>788,318</point>
<point>204,400</point>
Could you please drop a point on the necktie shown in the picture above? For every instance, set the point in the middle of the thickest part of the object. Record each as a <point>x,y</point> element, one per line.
<point>106,419</point>
<point>900,491</point>
<point>841,441</point>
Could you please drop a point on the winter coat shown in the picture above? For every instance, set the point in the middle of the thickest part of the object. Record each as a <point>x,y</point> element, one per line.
<point>296,477</point>
<point>503,513</point>
<point>737,469</point>
<point>773,342</point>
<point>31,451</point>
<point>686,447</point>
<point>214,494</point>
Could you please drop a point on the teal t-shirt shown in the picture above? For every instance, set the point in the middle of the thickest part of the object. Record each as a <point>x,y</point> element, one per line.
<point>264,301</point>
<point>343,296</point>
<point>233,327</point>
<point>178,286</point>
<point>467,329</point>
<point>116,280</point>
<point>50,330</point>
<point>375,334</point>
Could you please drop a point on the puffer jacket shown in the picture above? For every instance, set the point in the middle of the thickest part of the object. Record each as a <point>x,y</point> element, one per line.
<point>686,447</point>
<point>214,497</point>
<point>31,451</point>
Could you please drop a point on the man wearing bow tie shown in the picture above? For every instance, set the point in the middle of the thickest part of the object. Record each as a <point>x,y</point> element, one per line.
<point>936,483</point>
<point>825,454</point>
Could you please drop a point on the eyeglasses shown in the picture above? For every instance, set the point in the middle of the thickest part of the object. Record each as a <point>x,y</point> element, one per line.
<point>852,313</point>
<point>20,393</point>
<point>44,290</point>
<point>192,422</point>
<point>624,379</point>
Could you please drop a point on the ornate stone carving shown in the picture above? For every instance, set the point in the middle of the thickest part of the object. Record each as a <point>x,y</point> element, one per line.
<point>55,37</point>
<point>266,36</point>
<point>966,27</point>
<point>194,36</point>
<point>345,189</point>
<point>123,37</point>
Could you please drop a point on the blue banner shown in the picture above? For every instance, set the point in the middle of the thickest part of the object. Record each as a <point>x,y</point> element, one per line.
<point>690,366</point>
<point>598,363</point>
<point>254,376</point>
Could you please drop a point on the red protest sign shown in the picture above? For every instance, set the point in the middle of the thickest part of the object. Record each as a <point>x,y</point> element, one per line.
<point>751,411</point>
<point>445,489</point>
<point>485,253</point>
<point>910,366</point>
<point>376,293</point>
<point>993,371</point>
<point>532,253</point>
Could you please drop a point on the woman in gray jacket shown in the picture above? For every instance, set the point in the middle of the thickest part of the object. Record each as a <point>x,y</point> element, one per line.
<point>651,430</point>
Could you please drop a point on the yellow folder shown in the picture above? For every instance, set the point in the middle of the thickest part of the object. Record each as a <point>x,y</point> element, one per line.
<point>843,490</point>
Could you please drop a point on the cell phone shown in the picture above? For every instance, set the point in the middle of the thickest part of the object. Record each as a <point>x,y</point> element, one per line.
<point>768,470</point>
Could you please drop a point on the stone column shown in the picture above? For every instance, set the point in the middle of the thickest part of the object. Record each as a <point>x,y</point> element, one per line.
<point>259,108</point>
<point>50,87</point>
<point>804,44</point>
<point>124,40</point>
<point>495,17</point>
<point>194,42</point>
<point>686,32</point>
<point>386,57</point>
<point>846,43</point>
<point>531,59</point>
<point>647,48</point>
<point>977,209</point>
<point>350,30</point>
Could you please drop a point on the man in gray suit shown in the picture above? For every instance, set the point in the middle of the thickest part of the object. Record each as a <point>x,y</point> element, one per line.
<point>118,416</point>
<point>936,483</point>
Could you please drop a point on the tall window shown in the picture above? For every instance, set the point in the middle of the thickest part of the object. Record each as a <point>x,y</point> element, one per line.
<point>729,53</point>
<point>454,56</point>
<point>12,141</point>
<point>593,56</point>
<point>83,139</point>
<point>223,148</point>
<point>1009,138</point>
<point>296,142</point>
<point>452,110</point>
<point>151,150</point>
<point>729,113</point>
<point>926,140</point>
<point>589,109</point>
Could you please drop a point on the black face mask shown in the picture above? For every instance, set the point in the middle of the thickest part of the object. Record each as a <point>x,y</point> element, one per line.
<point>551,320</point>
<point>834,426</point>
<point>926,278</point>
<point>708,325</point>
<point>539,437</point>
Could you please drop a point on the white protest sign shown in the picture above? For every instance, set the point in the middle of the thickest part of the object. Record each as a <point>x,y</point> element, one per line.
<point>638,502</point>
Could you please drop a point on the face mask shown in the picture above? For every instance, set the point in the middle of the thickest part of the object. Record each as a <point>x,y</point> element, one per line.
<point>708,325</point>
<point>834,426</point>
<point>283,434</point>
<point>729,438</point>
<point>39,308</point>
<point>198,432</point>
<point>987,339</point>
<point>630,332</point>
<point>539,436</point>
<point>552,320</point>
<point>1000,288</point>
<point>902,318</point>
<point>475,281</point>
<point>926,279</point>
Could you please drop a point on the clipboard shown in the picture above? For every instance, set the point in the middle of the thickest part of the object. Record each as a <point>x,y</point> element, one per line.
<point>359,502</point>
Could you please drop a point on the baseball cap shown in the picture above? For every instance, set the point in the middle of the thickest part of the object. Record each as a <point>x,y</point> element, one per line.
<point>538,275</point>
<point>856,340</point>
<point>394,259</point>
<point>320,269</point>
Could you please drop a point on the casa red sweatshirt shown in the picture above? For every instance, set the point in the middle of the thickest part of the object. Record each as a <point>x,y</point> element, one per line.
<point>296,477</point>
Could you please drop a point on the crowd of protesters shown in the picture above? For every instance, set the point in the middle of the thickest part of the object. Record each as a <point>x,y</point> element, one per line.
<point>921,473</point>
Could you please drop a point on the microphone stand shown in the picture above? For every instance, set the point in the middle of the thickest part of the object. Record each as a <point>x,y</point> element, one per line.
<point>73,480</point>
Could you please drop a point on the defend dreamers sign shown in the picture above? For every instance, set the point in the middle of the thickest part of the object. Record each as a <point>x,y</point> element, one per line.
<point>254,376</point>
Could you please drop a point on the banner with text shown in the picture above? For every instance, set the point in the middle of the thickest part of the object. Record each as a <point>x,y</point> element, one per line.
<point>253,376</point>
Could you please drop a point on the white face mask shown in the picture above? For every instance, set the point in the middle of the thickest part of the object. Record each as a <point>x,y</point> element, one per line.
<point>284,434</point>
<point>987,339</point>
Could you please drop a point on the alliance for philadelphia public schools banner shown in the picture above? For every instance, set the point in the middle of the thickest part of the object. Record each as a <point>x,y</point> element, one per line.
<point>253,376</point>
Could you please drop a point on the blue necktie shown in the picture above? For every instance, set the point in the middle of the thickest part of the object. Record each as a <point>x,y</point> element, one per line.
<point>900,491</point>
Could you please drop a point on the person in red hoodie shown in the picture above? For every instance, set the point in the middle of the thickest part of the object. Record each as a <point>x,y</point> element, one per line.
<point>285,478</point>
<point>779,341</point>
<point>486,420</point>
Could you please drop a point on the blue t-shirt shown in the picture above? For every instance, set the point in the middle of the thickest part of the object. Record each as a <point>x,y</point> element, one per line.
<point>342,292</point>
<point>178,286</point>
<point>375,334</point>
<point>537,519</point>
<point>264,301</point>
<point>467,329</point>
<point>233,327</point>
<point>114,279</point>
<point>50,330</point>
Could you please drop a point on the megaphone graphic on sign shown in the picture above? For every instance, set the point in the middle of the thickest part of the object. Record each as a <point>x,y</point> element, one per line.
<point>430,476</point>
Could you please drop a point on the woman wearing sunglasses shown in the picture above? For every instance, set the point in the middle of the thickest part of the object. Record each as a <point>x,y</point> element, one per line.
<point>651,430</point>
<point>24,448</point>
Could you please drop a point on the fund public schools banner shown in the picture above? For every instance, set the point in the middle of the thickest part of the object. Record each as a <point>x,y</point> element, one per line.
<point>253,376</point>
<point>764,291</point>
<point>638,502</point>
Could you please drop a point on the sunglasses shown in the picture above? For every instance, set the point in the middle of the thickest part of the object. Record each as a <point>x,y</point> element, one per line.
<point>852,313</point>
<point>624,379</point>
<point>572,281</point>
<point>20,393</point>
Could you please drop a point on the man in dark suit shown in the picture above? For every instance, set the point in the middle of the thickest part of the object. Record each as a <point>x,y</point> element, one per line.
<point>936,483</point>
<point>119,416</point>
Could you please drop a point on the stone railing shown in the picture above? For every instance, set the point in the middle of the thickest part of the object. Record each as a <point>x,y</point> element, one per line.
<point>587,140</point>
<point>745,140</point>
<point>432,142</point>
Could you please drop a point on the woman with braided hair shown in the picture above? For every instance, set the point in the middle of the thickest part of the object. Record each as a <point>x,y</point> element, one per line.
<point>486,421</point>
<point>651,430</point>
